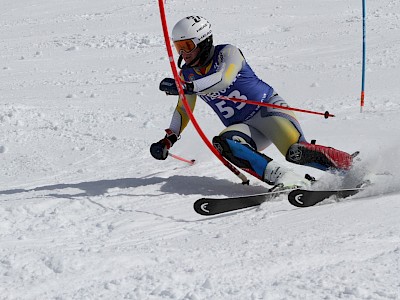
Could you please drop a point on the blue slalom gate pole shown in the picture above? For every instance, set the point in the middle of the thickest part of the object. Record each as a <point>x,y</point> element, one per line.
<point>363,57</point>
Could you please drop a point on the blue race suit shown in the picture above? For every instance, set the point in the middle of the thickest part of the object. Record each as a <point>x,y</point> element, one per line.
<point>229,75</point>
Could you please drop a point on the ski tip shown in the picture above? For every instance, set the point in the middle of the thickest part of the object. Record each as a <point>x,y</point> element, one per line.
<point>306,198</point>
<point>201,207</point>
<point>296,198</point>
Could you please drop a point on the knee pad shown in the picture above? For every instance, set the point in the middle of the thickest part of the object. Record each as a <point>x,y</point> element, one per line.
<point>240,137</point>
<point>222,145</point>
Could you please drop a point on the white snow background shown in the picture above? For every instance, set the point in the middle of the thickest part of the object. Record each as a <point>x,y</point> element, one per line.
<point>87,213</point>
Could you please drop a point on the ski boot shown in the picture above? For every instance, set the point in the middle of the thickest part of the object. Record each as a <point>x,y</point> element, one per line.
<point>283,178</point>
<point>319,157</point>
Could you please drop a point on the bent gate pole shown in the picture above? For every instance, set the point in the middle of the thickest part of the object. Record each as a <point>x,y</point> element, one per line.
<point>184,100</point>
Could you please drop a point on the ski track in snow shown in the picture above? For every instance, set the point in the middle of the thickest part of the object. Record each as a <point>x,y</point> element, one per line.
<point>86,213</point>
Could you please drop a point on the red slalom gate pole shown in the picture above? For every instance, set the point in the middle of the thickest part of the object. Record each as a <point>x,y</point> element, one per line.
<point>325,114</point>
<point>184,100</point>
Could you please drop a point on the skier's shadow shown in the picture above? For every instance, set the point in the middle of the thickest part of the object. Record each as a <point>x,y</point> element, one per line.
<point>183,185</point>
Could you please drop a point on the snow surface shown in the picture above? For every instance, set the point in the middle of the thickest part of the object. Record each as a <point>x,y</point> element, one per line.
<point>86,213</point>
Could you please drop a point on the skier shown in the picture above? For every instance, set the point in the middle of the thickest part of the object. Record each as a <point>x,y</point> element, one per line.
<point>212,71</point>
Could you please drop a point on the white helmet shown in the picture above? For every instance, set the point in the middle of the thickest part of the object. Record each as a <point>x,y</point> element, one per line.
<point>192,32</point>
<point>193,27</point>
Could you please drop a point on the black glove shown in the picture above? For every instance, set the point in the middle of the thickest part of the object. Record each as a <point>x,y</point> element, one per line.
<point>160,149</point>
<point>168,86</point>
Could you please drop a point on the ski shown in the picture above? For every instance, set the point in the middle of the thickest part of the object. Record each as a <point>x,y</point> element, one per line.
<point>306,198</point>
<point>214,206</point>
<point>297,197</point>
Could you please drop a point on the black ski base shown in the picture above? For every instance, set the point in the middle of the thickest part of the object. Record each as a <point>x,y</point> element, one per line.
<point>214,206</point>
<point>296,197</point>
<point>306,198</point>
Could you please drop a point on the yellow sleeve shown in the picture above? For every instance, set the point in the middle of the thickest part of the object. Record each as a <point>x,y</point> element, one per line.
<point>180,118</point>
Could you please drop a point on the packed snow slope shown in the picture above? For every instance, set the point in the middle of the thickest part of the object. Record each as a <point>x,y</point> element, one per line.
<point>86,213</point>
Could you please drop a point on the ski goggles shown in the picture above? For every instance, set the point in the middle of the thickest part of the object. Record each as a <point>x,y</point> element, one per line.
<point>186,46</point>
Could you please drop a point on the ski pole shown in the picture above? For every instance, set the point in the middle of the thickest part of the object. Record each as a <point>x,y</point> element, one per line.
<point>325,114</point>
<point>190,162</point>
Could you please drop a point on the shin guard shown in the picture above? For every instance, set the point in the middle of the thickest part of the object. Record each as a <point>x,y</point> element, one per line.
<point>242,156</point>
